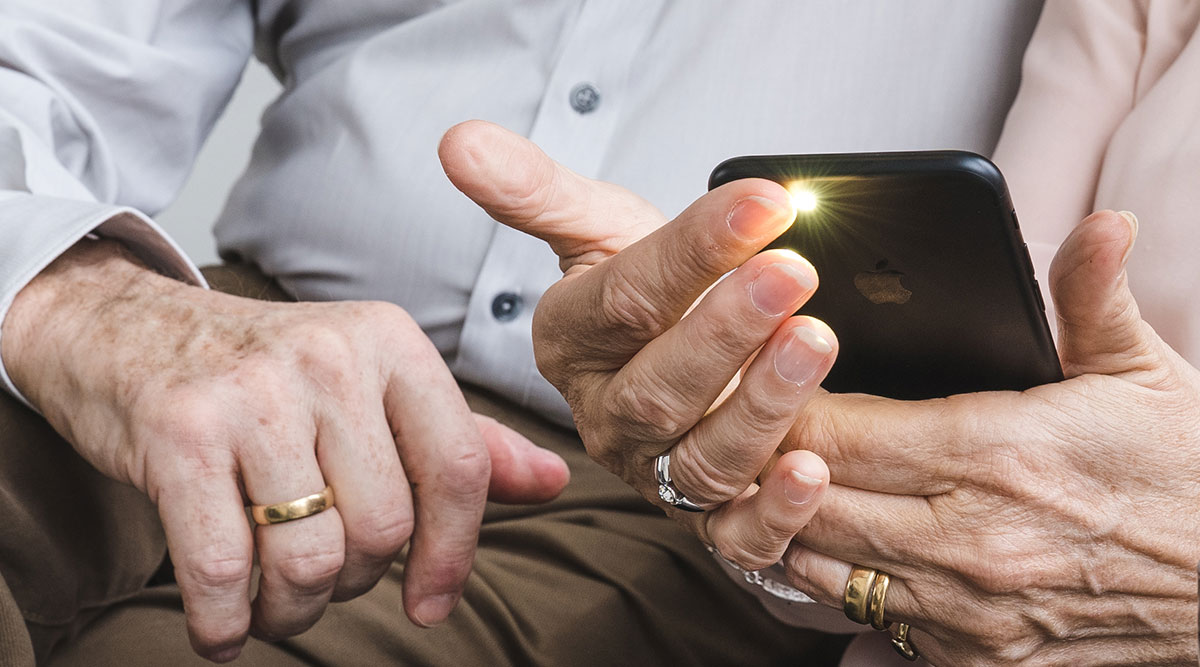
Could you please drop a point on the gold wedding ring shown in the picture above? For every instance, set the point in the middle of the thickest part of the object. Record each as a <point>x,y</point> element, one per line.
<point>265,515</point>
<point>857,599</point>
<point>878,595</point>
<point>864,602</point>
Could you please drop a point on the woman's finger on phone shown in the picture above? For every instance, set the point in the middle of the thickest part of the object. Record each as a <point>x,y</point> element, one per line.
<point>755,529</point>
<point>687,367</point>
<point>604,317</point>
<point>726,451</point>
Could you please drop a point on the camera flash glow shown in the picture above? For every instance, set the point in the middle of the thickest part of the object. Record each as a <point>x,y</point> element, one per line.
<point>803,198</point>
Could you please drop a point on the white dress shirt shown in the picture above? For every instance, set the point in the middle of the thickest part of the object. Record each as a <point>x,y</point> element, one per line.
<point>104,105</point>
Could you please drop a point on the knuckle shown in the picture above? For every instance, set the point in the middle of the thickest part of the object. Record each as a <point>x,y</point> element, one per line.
<point>326,355</point>
<point>381,535</point>
<point>553,358</point>
<point>814,427</point>
<point>701,258</point>
<point>452,568</point>
<point>529,197</point>
<point>1007,570</point>
<point>799,575</point>
<point>720,335</point>
<point>309,572</point>
<point>762,413</point>
<point>624,305</point>
<point>704,479</point>
<point>990,579</point>
<point>967,425</point>
<point>389,317</point>
<point>1009,643</point>
<point>648,412</point>
<point>799,570</point>
<point>393,328</point>
<point>562,356</point>
<point>778,530</point>
<point>190,419</point>
<point>469,468</point>
<point>746,554</point>
<point>183,444</point>
<point>214,573</point>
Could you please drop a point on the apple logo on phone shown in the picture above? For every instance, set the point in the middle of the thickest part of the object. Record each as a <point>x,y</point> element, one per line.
<point>882,285</point>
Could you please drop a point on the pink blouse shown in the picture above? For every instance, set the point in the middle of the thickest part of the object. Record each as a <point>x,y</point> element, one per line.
<point>1108,116</point>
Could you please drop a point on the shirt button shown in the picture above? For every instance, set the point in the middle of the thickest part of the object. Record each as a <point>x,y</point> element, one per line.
<point>506,306</point>
<point>585,98</point>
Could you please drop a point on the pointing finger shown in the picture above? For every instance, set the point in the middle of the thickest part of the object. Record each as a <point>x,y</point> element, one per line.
<point>612,311</point>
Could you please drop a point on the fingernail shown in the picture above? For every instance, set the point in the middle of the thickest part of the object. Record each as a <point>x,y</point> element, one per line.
<point>801,355</point>
<point>754,216</point>
<point>1132,221</point>
<point>799,489</point>
<point>227,654</point>
<point>434,609</point>
<point>778,287</point>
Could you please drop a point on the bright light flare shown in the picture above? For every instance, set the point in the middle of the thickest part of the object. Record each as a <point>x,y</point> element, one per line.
<point>803,198</point>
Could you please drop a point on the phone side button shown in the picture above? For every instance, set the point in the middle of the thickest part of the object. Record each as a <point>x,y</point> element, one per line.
<point>1037,292</point>
<point>1028,259</point>
<point>1017,225</point>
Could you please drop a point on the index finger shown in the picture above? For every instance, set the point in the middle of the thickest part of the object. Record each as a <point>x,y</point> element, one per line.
<point>614,309</point>
<point>650,285</point>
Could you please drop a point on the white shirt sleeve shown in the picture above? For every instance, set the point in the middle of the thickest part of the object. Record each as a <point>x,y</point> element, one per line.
<point>103,107</point>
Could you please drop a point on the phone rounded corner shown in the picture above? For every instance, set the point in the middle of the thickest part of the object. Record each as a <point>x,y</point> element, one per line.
<point>721,174</point>
<point>985,170</point>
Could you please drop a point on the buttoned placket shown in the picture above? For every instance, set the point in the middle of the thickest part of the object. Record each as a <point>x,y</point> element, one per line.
<point>574,125</point>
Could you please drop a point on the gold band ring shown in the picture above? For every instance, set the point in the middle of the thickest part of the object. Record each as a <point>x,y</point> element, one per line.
<point>878,595</point>
<point>265,515</point>
<point>903,646</point>
<point>864,600</point>
<point>857,598</point>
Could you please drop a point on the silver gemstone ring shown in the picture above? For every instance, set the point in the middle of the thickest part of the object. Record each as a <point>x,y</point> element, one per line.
<point>667,490</point>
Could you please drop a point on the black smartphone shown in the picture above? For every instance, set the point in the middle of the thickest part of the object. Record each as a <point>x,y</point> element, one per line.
<point>924,276</point>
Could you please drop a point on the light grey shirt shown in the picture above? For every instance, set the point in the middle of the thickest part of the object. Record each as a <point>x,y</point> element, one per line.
<point>104,105</point>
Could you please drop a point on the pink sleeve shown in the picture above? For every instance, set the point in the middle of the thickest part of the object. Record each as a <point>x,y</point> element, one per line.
<point>1078,83</point>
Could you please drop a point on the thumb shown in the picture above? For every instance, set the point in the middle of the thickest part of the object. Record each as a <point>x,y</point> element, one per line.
<point>1100,328</point>
<point>583,220</point>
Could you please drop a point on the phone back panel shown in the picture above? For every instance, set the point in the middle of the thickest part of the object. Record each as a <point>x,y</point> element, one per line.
<point>924,276</point>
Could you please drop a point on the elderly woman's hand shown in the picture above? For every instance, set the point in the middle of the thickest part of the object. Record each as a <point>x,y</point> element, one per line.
<point>1054,526</point>
<point>640,375</point>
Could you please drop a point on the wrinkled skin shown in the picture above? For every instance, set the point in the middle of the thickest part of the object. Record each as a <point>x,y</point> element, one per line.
<point>208,402</point>
<point>1053,526</point>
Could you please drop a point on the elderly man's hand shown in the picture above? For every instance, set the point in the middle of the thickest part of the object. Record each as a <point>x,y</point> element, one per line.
<point>640,376</point>
<point>1053,526</point>
<point>207,402</point>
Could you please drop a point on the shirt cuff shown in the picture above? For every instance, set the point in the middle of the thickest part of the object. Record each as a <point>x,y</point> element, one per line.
<point>35,230</point>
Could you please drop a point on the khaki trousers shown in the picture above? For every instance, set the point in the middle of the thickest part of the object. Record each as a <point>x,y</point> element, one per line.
<point>596,577</point>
